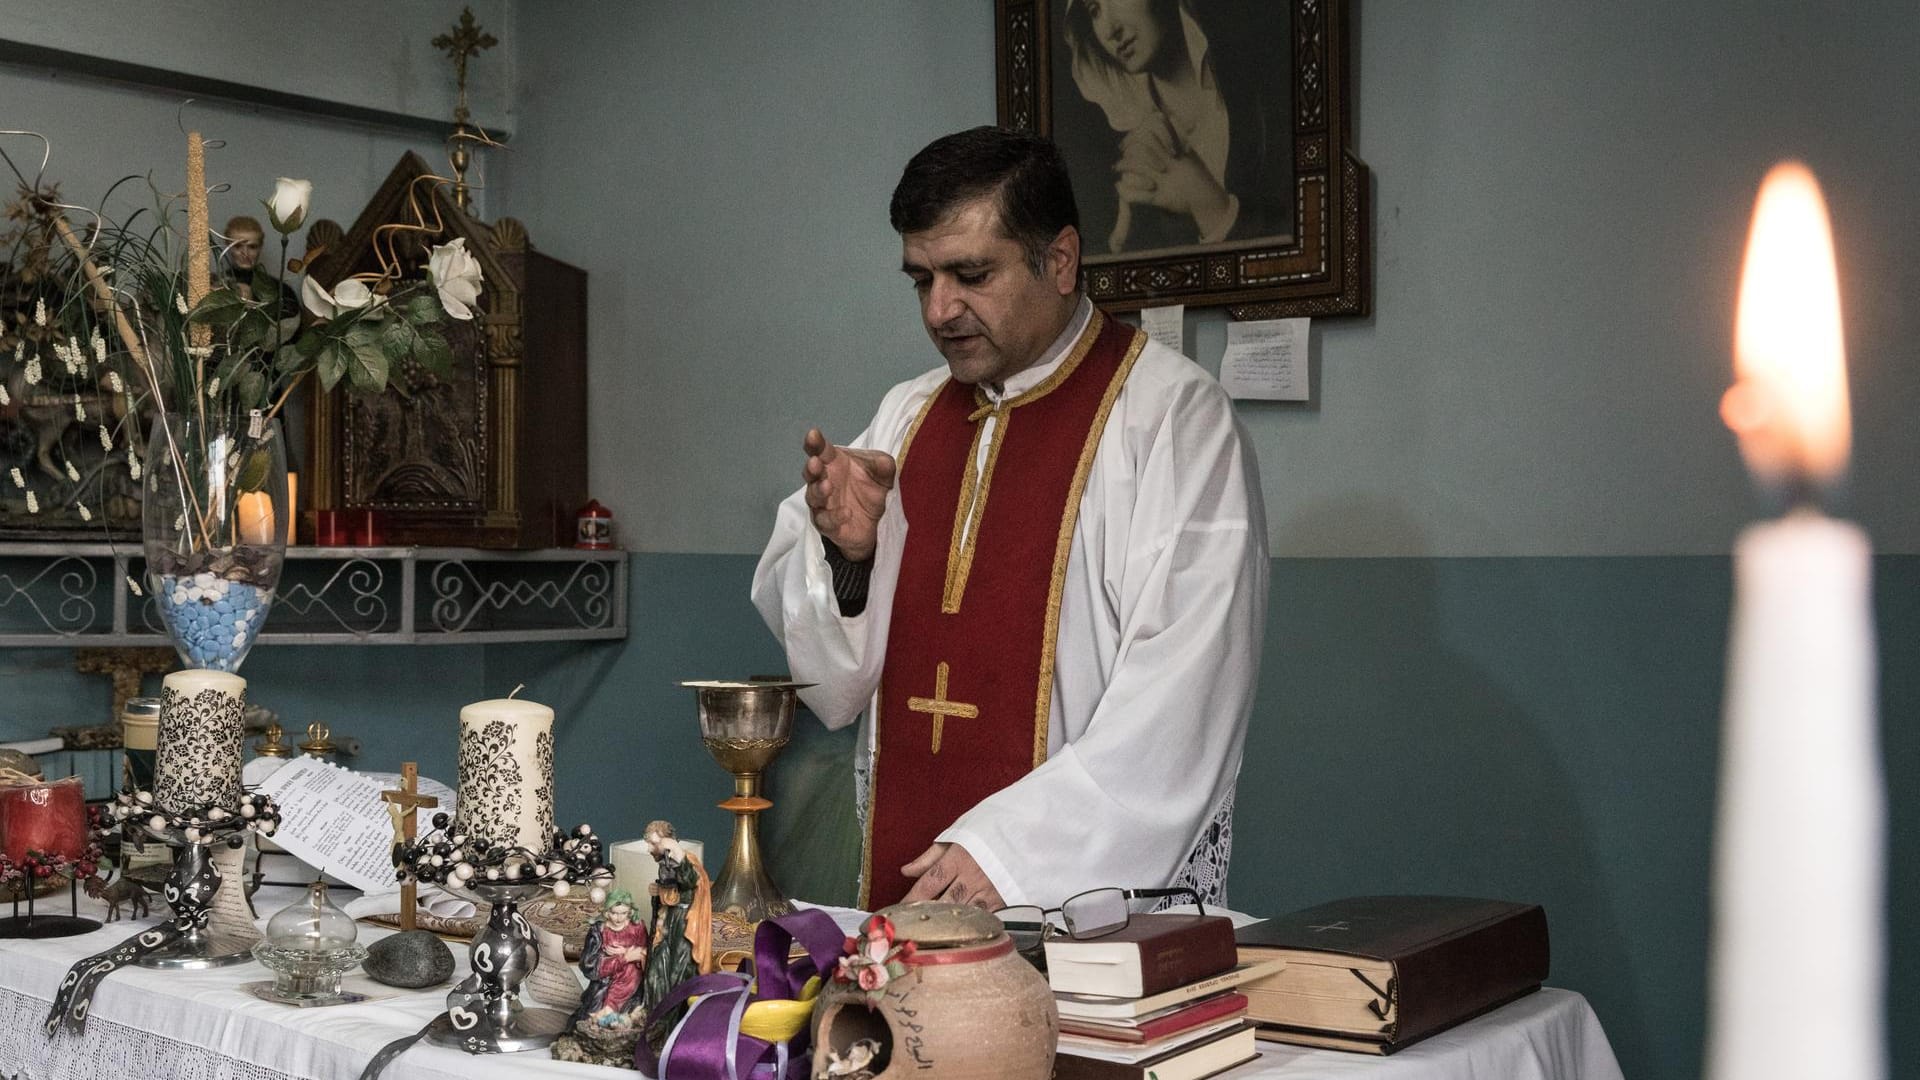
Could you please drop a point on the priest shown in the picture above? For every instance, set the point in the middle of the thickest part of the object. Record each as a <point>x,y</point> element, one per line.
<point>1040,574</point>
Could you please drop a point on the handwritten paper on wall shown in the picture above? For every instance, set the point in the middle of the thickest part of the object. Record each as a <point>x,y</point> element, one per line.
<point>1166,325</point>
<point>1266,360</point>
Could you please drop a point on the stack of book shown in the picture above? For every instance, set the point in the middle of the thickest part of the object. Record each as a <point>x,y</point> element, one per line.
<point>1374,974</point>
<point>1155,999</point>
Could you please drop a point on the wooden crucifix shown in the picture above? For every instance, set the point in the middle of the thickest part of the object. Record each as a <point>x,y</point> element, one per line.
<point>406,802</point>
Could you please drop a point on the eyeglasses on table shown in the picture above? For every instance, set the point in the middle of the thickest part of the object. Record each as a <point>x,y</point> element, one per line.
<point>1083,917</point>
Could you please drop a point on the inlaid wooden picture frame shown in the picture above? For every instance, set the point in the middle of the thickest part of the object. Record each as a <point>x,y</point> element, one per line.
<point>1209,143</point>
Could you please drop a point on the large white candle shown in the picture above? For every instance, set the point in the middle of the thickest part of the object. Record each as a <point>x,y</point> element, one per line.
<point>197,751</point>
<point>1798,936</point>
<point>506,773</point>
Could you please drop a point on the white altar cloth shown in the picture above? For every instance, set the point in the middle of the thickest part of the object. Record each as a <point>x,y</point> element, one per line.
<point>199,1025</point>
<point>1549,1035</point>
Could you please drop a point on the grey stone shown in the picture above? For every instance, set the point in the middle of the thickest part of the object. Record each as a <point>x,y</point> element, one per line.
<point>411,958</point>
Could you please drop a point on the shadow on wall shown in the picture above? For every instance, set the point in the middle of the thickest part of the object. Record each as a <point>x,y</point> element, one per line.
<point>1381,760</point>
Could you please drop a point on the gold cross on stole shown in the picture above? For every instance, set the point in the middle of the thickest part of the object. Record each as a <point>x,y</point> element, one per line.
<point>939,707</point>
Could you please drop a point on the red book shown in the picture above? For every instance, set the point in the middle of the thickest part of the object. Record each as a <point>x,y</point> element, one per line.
<point>1151,954</point>
<point>1160,1025</point>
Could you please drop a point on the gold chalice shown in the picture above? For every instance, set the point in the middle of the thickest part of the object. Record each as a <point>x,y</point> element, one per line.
<point>745,725</point>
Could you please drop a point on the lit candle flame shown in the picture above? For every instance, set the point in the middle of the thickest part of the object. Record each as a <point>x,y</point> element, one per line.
<point>1788,403</point>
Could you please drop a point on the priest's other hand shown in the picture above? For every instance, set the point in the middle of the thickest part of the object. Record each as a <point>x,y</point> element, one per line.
<point>947,872</point>
<point>847,492</point>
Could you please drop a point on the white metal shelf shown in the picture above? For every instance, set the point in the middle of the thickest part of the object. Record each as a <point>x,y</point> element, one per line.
<point>64,595</point>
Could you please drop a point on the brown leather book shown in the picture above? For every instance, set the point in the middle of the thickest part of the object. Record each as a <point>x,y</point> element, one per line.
<point>1196,1060</point>
<point>1376,973</point>
<point>1150,954</point>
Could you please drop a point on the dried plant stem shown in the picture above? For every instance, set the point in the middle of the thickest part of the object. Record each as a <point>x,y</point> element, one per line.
<point>103,293</point>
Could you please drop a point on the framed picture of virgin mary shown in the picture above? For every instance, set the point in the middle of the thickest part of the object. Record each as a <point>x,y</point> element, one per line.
<point>1208,141</point>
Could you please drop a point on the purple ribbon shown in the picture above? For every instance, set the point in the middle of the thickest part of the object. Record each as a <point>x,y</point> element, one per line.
<point>707,1043</point>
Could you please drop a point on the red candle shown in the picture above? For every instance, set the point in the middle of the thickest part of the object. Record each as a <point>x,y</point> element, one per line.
<point>47,818</point>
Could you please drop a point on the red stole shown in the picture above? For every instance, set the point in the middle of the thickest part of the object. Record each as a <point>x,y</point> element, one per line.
<point>968,679</point>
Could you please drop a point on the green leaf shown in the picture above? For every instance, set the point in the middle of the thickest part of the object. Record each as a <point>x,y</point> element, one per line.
<point>221,307</point>
<point>253,470</point>
<point>368,369</point>
<point>253,329</point>
<point>433,353</point>
<point>396,340</point>
<point>311,341</point>
<point>424,309</point>
<point>250,389</point>
<point>332,363</point>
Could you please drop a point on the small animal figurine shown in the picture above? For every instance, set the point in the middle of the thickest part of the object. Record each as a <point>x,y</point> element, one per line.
<point>123,891</point>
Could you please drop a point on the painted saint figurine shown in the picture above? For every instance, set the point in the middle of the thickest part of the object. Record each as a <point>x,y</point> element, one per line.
<point>682,941</point>
<point>615,962</point>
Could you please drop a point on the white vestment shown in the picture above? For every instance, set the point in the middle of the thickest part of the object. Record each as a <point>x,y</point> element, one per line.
<point>1161,620</point>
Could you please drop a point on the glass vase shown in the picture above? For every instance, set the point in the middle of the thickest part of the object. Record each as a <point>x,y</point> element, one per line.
<point>216,522</point>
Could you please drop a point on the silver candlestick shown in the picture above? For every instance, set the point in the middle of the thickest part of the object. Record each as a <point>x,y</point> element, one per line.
<point>484,1014</point>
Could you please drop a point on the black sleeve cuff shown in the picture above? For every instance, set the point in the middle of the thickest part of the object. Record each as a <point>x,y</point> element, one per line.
<point>849,580</point>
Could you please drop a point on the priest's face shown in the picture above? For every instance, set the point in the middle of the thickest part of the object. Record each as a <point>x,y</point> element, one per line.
<point>987,311</point>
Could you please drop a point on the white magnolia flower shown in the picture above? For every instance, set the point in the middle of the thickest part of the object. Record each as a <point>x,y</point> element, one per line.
<point>85,514</point>
<point>73,474</point>
<point>350,295</point>
<point>456,274</point>
<point>288,207</point>
<point>39,312</point>
<point>33,503</point>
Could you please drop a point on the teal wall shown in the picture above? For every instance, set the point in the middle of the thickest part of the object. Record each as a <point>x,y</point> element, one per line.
<point>1539,728</point>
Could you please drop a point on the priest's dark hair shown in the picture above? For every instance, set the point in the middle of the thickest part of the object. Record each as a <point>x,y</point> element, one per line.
<point>1025,172</point>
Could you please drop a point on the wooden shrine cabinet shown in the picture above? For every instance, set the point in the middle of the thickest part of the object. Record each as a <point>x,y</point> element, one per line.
<point>494,456</point>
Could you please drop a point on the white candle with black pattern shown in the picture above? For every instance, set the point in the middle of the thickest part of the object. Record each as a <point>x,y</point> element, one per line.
<point>197,752</point>
<point>506,773</point>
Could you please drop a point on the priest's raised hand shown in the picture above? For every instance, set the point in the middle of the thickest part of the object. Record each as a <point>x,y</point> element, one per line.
<point>847,493</point>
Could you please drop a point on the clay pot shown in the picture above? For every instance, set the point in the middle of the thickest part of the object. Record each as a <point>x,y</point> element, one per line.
<point>968,1007</point>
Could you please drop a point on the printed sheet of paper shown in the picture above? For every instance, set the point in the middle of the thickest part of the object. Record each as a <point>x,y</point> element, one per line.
<point>1166,325</point>
<point>1266,360</point>
<point>334,819</point>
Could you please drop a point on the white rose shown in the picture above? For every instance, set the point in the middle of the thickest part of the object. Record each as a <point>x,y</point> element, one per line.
<point>350,295</point>
<point>288,207</point>
<point>456,274</point>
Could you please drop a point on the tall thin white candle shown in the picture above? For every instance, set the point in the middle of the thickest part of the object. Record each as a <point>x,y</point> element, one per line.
<point>1798,936</point>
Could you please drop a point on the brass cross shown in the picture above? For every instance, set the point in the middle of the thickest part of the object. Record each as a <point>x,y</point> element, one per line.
<point>406,801</point>
<point>939,707</point>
